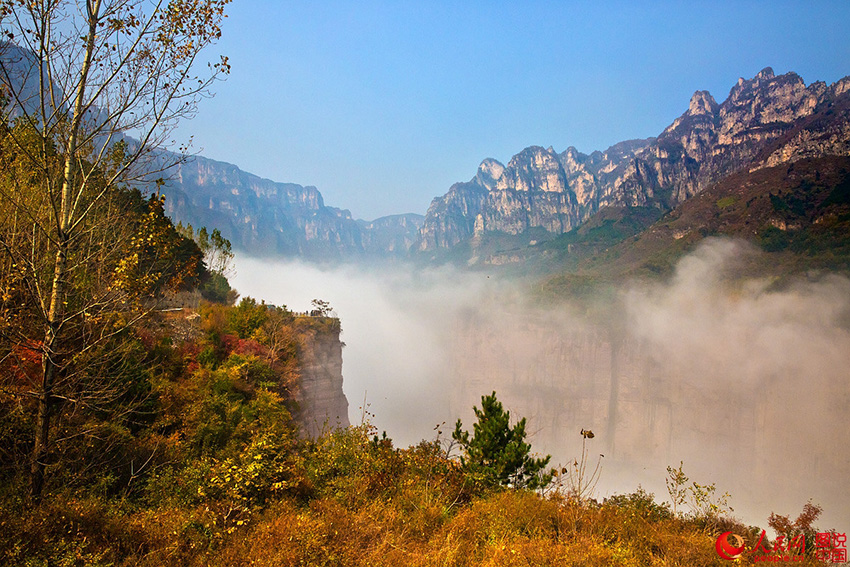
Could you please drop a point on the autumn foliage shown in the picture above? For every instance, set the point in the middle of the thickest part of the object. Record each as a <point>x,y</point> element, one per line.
<point>211,471</point>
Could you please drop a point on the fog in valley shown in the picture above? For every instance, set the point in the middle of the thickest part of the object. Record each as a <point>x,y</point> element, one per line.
<point>743,381</point>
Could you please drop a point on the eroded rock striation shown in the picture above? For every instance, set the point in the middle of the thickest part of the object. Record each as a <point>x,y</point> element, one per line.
<point>322,404</point>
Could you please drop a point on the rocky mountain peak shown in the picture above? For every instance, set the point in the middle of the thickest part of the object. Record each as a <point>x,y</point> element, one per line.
<point>534,169</point>
<point>766,84</point>
<point>702,103</point>
<point>571,153</point>
<point>534,153</point>
<point>572,160</point>
<point>766,73</point>
<point>841,86</point>
<point>489,172</point>
<point>541,189</point>
<point>766,120</point>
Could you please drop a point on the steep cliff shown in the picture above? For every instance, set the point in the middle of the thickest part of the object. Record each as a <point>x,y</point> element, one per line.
<point>735,419</point>
<point>537,189</point>
<point>258,215</point>
<point>266,218</point>
<point>321,401</point>
<point>450,219</point>
<point>765,121</point>
<point>710,141</point>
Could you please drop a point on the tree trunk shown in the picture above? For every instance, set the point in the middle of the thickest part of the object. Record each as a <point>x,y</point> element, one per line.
<point>49,370</point>
<point>56,311</point>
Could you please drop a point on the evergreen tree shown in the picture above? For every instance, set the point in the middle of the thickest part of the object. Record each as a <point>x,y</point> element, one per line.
<point>497,453</point>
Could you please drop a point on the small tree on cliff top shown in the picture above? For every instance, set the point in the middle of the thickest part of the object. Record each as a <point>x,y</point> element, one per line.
<point>497,453</point>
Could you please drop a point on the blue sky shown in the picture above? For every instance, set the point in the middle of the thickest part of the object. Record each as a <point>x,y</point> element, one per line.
<point>383,105</point>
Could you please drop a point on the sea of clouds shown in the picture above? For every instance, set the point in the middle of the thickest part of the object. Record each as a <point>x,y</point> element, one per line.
<point>745,381</point>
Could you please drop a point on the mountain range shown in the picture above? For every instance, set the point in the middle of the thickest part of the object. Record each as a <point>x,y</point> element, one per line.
<point>507,211</point>
<point>542,204</point>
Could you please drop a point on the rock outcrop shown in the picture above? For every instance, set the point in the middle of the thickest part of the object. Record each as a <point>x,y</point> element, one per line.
<point>710,141</point>
<point>322,405</point>
<point>451,218</point>
<point>259,215</point>
<point>537,189</point>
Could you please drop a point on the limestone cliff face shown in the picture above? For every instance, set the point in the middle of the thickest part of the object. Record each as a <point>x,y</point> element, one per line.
<point>710,141</point>
<point>259,215</point>
<point>537,189</point>
<point>592,176</point>
<point>264,217</point>
<point>764,121</point>
<point>451,218</point>
<point>321,401</point>
<point>532,191</point>
<point>649,410</point>
<point>824,133</point>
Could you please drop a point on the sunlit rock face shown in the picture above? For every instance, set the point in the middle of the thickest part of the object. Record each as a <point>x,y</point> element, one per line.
<point>532,191</point>
<point>489,172</point>
<point>537,189</point>
<point>451,218</point>
<point>764,121</point>
<point>709,141</point>
<point>827,132</point>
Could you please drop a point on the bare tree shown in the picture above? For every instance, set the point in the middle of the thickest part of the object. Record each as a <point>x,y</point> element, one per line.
<point>94,89</point>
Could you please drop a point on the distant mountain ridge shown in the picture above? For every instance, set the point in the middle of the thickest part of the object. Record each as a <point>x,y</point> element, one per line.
<point>539,194</point>
<point>267,218</point>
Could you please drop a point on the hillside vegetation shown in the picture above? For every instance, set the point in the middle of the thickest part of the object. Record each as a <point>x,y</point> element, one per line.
<point>205,466</point>
<point>797,215</point>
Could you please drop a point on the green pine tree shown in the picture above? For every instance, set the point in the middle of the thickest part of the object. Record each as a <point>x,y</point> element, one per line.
<point>497,453</point>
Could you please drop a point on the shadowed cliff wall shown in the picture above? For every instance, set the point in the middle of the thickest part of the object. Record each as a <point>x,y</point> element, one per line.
<point>321,401</point>
<point>771,435</point>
